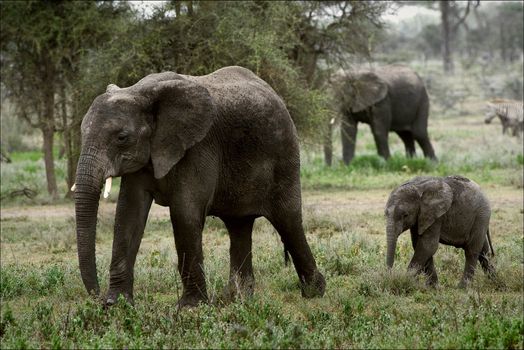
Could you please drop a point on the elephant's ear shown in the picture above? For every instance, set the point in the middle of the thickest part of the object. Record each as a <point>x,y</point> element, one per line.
<point>435,201</point>
<point>184,112</point>
<point>368,90</point>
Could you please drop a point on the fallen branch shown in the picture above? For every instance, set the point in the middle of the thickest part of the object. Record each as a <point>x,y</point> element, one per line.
<point>29,193</point>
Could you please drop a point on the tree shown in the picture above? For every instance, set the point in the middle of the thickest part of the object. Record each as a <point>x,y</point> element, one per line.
<point>328,33</point>
<point>452,17</point>
<point>42,44</point>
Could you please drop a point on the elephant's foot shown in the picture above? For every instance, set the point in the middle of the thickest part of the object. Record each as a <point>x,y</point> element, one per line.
<point>432,282</point>
<point>192,300</point>
<point>314,286</point>
<point>238,288</point>
<point>464,283</point>
<point>112,297</point>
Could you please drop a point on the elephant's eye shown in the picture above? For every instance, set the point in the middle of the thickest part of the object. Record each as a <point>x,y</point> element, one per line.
<point>122,137</point>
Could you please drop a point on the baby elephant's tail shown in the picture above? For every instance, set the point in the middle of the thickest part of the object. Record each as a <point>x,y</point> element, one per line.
<point>490,245</point>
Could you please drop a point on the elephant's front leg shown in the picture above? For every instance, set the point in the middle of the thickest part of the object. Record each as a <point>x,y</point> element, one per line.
<point>429,267</point>
<point>131,216</point>
<point>380,122</point>
<point>348,133</point>
<point>426,246</point>
<point>187,227</point>
<point>241,277</point>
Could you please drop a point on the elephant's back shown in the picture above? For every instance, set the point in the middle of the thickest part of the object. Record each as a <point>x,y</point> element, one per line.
<point>257,140</point>
<point>407,94</point>
<point>399,74</point>
<point>250,112</point>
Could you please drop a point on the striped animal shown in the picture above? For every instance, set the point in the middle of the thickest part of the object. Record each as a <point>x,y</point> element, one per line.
<point>510,113</point>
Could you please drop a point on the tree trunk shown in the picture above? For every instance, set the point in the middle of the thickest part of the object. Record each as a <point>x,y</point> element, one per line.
<point>446,37</point>
<point>71,168</point>
<point>503,51</point>
<point>47,123</point>
<point>190,8</point>
<point>48,134</point>
<point>76,140</point>
<point>177,9</point>
<point>328,144</point>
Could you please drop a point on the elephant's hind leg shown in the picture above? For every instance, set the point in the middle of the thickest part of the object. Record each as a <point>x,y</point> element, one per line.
<point>409,142</point>
<point>287,220</point>
<point>380,134</point>
<point>473,250</point>
<point>241,278</point>
<point>469,267</point>
<point>423,140</point>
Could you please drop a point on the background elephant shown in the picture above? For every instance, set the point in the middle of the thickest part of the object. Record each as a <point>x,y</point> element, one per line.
<point>450,210</point>
<point>389,98</point>
<point>222,144</point>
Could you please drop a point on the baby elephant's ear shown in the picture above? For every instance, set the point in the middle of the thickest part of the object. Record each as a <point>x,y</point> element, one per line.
<point>184,112</point>
<point>435,201</point>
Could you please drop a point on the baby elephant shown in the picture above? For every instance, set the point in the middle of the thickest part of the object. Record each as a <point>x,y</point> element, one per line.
<point>451,210</point>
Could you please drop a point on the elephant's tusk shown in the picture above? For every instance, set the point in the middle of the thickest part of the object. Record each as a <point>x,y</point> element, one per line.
<point>107,187</point>
<point>73,188</point>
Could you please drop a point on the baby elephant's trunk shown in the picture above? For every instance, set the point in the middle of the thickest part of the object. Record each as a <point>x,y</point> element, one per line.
<point>392,243</point>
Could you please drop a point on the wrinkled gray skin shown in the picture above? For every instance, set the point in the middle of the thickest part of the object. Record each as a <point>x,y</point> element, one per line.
<point>389,98</point>
<point>221,144</point>
<point>451,210</point>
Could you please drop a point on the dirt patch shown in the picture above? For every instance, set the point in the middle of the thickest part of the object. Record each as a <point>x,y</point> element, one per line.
<point>324,202</point>
<point>68,210</point>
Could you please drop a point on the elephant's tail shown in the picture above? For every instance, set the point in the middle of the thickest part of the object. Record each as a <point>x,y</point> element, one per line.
<point>286,256</point>
<point>490,245</point>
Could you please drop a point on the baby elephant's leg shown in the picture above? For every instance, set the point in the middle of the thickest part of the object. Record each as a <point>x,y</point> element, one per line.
<point>469,268</point>
<point>430,271</point>
<point>474,248</point>
<point>425,248</point>
<point>429,267</point>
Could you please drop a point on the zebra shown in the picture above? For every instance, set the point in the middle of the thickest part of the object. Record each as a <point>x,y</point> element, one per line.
<point>510,113</point>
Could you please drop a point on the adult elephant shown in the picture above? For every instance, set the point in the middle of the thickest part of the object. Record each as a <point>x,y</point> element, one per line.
<point>389,98</point>
<point>222,144</point>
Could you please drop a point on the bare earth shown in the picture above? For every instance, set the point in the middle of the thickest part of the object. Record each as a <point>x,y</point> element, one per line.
<point>316,201</point>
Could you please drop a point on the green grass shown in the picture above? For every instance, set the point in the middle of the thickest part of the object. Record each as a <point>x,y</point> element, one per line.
<point>26,156</point>
<point>44,304</point>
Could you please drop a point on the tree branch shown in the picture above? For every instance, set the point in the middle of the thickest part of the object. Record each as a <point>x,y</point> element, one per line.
<point>27,118</point>
<point>463,18</point>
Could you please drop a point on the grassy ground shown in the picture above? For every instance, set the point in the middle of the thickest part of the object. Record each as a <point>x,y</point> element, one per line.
<point>43,302</point>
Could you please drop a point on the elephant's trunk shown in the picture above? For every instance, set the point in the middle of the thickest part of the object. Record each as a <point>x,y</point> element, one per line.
<point>89,179</point>
<point>392,243</point>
